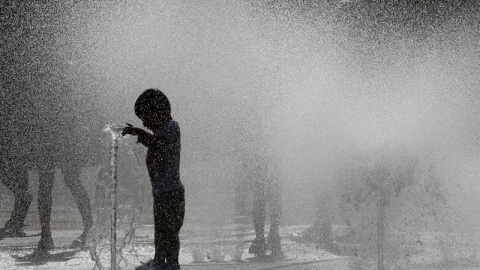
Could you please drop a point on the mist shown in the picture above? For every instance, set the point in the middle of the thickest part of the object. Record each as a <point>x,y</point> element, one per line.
<point>307,87</point>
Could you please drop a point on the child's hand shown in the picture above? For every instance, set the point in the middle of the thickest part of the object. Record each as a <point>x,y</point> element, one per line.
<point>131,130</point>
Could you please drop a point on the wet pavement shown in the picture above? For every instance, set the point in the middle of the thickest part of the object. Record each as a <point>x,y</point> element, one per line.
<point>201,249</point>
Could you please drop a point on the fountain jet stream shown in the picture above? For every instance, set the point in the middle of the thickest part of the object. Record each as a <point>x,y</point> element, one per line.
<point>114,130</point>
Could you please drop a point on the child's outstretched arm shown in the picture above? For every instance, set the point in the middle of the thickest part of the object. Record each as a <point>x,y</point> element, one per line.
<point>145,138</point>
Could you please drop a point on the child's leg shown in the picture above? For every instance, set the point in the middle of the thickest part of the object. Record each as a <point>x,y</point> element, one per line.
<point>169,212</point>
<point>175,217</point>
<point>159,217</point>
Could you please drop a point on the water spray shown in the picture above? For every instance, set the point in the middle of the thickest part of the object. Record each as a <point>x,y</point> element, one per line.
<point>114,130</point>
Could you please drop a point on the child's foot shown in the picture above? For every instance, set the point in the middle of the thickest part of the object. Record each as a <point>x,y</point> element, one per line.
<point>152,265</point>
<point>171,267</point>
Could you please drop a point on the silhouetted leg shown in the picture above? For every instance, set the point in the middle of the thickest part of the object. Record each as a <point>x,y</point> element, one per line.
<point>241,198</point>
<point>72,180</point>
<point>15,178</point>
<point>259,204</point>
<point>259,217</point>
<point>175,213</point>
<point>45,189</point>
<point>159,217</point>
<point>23,199</point>
<point>275,207</point>
<point>160,234</point>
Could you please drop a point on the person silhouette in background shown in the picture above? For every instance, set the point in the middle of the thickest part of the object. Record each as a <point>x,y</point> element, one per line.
<point>56,146</point>
<point>15,149</point>
<point>42,84</point>
<point>266,191</point>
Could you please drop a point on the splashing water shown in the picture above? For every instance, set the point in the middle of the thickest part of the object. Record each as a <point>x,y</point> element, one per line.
<point>118,205</point>
<point>113,129</point>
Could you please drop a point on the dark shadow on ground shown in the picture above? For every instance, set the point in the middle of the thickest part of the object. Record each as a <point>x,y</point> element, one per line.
<point>35,260</point>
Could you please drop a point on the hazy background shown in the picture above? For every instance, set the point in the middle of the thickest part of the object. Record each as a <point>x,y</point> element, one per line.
<point>307,82</point>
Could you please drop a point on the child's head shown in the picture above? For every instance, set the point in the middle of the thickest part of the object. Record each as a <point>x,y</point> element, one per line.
<point>153,108</point>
